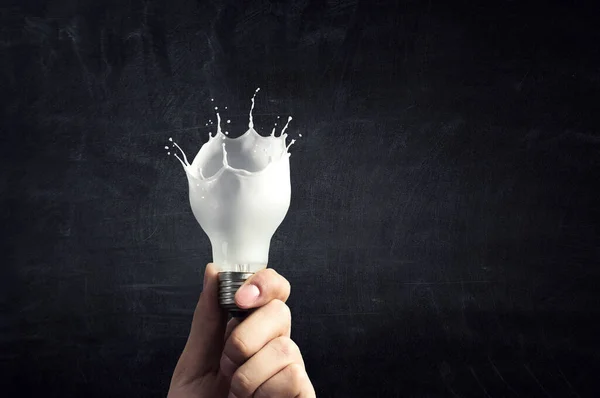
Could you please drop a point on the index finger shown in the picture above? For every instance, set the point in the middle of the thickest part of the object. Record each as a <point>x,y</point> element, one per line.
<point>261,288</point>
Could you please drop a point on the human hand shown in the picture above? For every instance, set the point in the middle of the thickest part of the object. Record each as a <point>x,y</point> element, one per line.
<point>251,358</point>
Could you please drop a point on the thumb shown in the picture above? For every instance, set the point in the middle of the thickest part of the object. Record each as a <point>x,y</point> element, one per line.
<point>204,346</point>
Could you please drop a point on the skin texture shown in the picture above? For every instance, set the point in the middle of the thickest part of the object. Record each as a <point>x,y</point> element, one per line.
<point>254,358</point>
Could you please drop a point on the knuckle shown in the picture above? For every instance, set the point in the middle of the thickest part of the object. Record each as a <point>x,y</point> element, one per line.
<point>238,345</point>
<point>262,392</point>
<point>294,380</point>
<point>266,276</point>
<point>296,376</point>
<point>241,385</point>
<point>286,289</point>
<point>281,309</point>
<point>271,273</point>
<point>285,347</point>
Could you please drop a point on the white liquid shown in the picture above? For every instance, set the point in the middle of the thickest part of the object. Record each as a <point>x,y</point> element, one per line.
<point>240,193</point>
<point>218,123</point>
<point>251,123</point>
<point>286,125</point>
<point>273,153</point>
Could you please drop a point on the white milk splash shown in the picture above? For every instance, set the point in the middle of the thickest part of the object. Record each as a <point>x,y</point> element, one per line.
<point>240,192</point>
<point>273,148</point>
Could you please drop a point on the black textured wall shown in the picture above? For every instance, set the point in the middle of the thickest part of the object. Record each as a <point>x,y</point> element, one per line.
<point>442,239</point>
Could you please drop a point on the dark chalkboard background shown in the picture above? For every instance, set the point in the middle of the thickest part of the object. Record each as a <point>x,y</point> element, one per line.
<point>442,237</point>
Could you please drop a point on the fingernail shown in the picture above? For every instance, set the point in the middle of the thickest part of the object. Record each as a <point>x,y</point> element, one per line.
<point>227,366</point>
<point>247,294</point>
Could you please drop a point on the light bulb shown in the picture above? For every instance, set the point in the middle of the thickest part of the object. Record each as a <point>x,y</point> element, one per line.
<point>240,192</point>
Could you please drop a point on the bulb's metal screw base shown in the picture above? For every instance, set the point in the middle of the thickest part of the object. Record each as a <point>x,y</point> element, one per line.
<point>229,283</point>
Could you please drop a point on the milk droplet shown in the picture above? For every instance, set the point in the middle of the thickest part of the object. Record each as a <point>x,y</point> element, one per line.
<point>170,138</point>
<point>228,120</point>
<point>168,153</point>
<point>251,123</point>
<point>286,125</point>
<point>183,162</point>
<point>216,107</point>
<point>290,144</point>
<point>299,135</point>
<point>278,117</point>
<point>218,123</point>
<point>166,147</point>
<point>225,107</point>
<point>212,99</point>
<point>227,133</point>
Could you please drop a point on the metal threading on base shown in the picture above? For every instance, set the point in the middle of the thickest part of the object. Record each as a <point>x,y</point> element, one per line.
<point>229,283</point>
